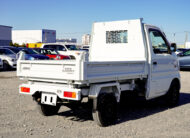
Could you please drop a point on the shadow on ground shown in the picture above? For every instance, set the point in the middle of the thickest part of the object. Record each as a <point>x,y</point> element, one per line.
<point>9,70</point>
<point>185,69</point>
<point>130,111</point>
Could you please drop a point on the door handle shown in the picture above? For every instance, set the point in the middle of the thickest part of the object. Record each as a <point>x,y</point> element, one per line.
<point>154,63</point>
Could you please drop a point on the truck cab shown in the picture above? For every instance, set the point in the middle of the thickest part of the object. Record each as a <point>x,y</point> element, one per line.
<point>163,63</point>
<point>124,56</point>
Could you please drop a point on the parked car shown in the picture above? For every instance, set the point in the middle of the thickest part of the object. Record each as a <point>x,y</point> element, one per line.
<point>51,53</point>
<point>85,48</point>
<point>1,64</point>
<point>63,49</point>
<point>32,54</point>
<point>184,59</point>
<point>13,49</point>
<point>8,57</point>
<point>180,50</point>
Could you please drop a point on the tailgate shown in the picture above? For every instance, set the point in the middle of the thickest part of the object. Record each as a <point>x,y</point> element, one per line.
<point>49,69</point>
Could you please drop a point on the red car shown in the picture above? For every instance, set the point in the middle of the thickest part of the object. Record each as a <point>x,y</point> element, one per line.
<point>51,53</point>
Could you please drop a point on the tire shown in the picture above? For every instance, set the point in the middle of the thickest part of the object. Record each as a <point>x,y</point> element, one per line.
<point>172,96</point>
<point>48,110</point>
<point>5,65</point>
<point>106,112</point>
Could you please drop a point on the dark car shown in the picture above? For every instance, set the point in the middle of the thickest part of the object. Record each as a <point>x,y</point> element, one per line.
<point>181,51</point>
<point>32,54</point>
<point>13,49</point>
<point>184,59</point>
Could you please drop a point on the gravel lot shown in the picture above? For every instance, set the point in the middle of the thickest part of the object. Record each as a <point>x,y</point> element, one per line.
<point>19,117</point>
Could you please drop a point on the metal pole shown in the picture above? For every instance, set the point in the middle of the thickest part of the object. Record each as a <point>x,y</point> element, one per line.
<point>174,36</point>
<point>186,37</point>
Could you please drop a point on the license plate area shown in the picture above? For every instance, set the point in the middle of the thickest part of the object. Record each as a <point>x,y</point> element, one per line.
<point>50,99</point>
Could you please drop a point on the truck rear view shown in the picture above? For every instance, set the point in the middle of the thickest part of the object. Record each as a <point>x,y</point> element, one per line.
<point>121,59</point>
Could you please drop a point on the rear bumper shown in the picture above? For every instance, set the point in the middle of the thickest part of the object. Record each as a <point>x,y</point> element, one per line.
<point>49,88</point>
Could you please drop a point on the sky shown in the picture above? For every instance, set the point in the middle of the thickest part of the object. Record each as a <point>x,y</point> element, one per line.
<point>73,18</point>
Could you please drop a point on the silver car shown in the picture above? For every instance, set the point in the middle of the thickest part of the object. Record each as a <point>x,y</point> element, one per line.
<point>9,58</point>
<point>184,60</point>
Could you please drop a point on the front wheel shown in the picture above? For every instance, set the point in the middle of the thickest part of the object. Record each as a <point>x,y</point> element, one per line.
<point>106,112</point>
<point>5,65</point>
<point>48,110</point>
<point>172,96</point>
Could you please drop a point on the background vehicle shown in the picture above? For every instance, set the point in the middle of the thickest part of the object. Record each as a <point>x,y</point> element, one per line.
<point>31,54</point>
<point>13,49</point>
<point>1,64</point>
<point>180,51</point>
<point>63,49</point>
<point>112,67</point>
<point>86,48</point>
<point>51,53</point>
<point>184,60</point>
<point>8,57</point>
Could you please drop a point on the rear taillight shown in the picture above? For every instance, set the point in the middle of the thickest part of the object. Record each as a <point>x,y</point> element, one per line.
<point>69,94</point>
<point>25,89</point>
<point>65,57</point>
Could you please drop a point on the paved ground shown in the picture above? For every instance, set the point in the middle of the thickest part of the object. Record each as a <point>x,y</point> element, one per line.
<point>19,117</point>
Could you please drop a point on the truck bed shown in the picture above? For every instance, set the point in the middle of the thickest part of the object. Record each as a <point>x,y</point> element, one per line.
<point>80,72</point>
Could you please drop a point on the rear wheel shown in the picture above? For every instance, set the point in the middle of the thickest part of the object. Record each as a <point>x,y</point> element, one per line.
<point>106,112</point>
<point>172,97</point>
<point>48,110</point>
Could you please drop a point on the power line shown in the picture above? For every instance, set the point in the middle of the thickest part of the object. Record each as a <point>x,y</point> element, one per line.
<point>77,32</point>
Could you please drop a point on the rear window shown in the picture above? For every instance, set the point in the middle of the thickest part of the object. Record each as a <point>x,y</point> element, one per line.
<point>187,53</point>
<point>6,52</point>
<point>48,51</point>
<point>56,47</point>
<point>30,51</point>
<point>71,47</point>
<point>119,36</point>
<point>15,50</point>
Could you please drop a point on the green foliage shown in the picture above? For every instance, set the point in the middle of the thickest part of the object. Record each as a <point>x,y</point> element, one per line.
<point>17,45</point>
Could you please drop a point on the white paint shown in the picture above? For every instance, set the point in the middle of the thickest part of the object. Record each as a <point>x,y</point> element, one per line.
<point>132,50</point>
<point>187,45</point>
<point>33,36</point>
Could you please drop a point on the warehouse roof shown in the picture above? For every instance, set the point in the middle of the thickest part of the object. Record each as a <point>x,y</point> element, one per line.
<point>6,26</point>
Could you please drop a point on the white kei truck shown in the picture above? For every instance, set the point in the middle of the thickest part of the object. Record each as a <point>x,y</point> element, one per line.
<point>124,56</point>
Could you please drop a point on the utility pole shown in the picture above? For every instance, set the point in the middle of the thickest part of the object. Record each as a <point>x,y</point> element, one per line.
<point>174,36</point>
<point>186,37</point>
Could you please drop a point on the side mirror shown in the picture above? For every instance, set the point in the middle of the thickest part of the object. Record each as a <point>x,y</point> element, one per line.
<point>173,47</point>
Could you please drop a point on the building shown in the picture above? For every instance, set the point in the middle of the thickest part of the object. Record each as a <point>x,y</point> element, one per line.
<point>86,39</point>
<point>5,35</point>
<point>33,36</point>
<point>67,40</point>
<point>187,44</point>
